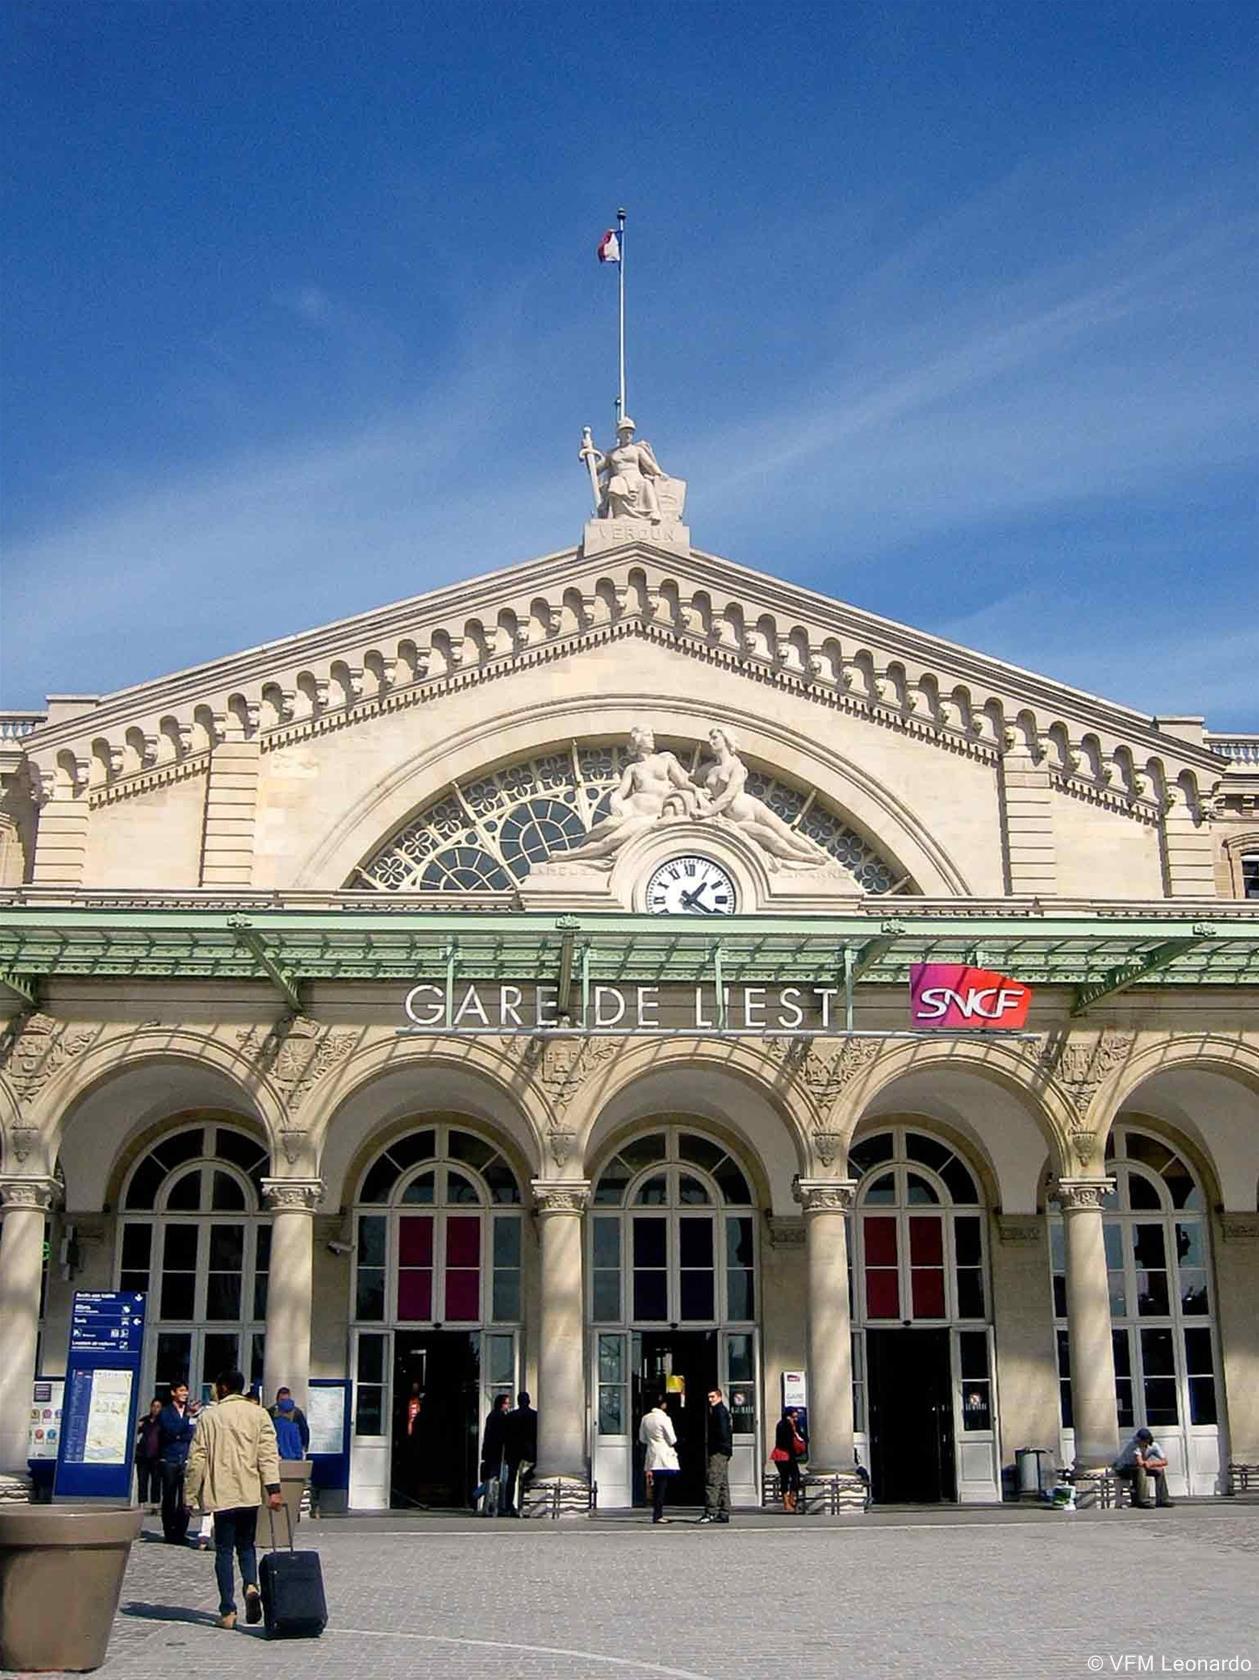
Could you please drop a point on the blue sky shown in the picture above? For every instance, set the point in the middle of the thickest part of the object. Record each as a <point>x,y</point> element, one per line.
<point>946,310</point>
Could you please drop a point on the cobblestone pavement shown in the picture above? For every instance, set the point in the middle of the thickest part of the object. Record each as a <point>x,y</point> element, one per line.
<point>1011,1594</point>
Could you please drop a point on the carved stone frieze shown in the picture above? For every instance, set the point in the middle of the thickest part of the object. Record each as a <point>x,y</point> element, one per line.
<point>560,1195</point>
<point>16,1192</point>
<point>1239,1227</point>
<point>823,1067</point>
<point>295,1055</point>
<point>1081,1065</point>
<point>292,1195</point>
<point>825,1195</point>
<point>560,1066</point>
<point>36,1048</point>
<point>1083,1194</point>
<point>786,1231</point>
<point>1020,1230</point>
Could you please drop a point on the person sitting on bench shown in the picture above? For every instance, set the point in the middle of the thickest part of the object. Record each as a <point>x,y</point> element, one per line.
<point>1143,1462</point>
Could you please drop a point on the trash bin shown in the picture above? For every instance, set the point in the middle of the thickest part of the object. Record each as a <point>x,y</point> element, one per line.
<point>1028,1472</point>
<point>61,1569</point>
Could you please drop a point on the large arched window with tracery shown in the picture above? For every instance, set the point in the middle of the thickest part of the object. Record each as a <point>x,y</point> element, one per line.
<point>194,1237</point>
<point>488,833</point>
<point>1158,1264</point>
<point>921,1314</point>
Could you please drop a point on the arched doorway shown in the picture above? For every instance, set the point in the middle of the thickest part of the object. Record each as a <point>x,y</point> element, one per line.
<point>194,1237</point>
<point>1158,1261</point>
<point>672,1306</point>
<point>923,1390</point>
<point>435,1315</point>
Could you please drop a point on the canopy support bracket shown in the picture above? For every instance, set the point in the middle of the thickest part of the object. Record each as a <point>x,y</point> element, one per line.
<point>280,977</point>
<point>1137,969</point>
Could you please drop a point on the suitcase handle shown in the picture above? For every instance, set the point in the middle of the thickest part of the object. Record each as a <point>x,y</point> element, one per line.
<point>288,1519</point>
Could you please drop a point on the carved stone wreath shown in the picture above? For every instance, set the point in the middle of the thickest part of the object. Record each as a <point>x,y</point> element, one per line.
<point>38,1049</point>
<point>295,1055</point>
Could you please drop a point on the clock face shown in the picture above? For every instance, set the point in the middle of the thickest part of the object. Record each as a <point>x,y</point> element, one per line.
<point>690,886</point>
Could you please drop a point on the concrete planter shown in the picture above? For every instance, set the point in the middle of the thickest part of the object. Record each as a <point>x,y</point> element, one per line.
<point>294,1475</point>
<point>61,1569</point>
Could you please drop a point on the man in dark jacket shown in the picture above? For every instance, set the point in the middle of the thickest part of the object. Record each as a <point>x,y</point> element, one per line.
<point>720,1452</point>
<point>521,1451</point>
<point>293,1412</point>
<point>175,1427</point>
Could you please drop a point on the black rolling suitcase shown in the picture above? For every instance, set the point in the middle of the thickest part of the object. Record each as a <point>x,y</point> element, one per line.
<point>291,1582</point>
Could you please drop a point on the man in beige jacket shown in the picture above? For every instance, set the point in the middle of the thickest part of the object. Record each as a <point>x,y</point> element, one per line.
<point>232,1463</point>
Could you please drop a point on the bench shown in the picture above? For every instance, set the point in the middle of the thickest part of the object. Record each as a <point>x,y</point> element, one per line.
<point>559,1498</point>
<point>839,1490</point>
<point>1099,1490</point>
<point>1243,1478</point>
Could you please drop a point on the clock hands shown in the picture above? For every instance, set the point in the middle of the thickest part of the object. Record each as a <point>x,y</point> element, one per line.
<point>691,900</point>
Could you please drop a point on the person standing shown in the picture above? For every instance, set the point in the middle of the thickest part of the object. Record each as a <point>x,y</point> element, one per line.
<point>493,1446</point>
<point>789,1449</point>
<point>522,1451</point>
<point>149,1457</point>
<point>720,1452</point>
<point>286,1406</point>
<point>657,1434</point>
<point>175,1432</point>
<point>233,1464</point>
<point>288,1432</point>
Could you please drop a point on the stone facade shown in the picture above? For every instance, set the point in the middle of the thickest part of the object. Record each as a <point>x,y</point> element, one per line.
<point>465,740</point>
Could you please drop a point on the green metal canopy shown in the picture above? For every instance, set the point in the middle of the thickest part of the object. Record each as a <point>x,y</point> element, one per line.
<point>1097,955</point>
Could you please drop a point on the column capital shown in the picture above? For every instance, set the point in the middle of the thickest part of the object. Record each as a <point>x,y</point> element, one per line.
<point>21,1192</point>
<point>825,1195</point>
<point>1077,1195</point>
<point>292,1195</point>
<point>560,1195</point>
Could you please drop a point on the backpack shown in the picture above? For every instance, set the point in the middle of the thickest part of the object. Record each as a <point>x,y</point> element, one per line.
<point>288,1437</point>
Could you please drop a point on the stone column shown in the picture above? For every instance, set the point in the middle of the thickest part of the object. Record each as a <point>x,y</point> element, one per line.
<point>826,1203</point>
<point>561,1400</point>
<point>26,1203</point>
<point>290,1291</point>
<point>1088,1323</point>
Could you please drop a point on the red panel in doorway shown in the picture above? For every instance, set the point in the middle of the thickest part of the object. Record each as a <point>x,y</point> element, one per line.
<point>880,1236</point>
<point>415,1239</point>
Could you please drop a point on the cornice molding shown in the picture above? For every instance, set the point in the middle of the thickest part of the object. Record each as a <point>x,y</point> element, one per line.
<point>768,631</point>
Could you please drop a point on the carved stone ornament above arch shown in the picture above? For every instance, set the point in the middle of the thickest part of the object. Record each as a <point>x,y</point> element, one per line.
<point>446,795</point>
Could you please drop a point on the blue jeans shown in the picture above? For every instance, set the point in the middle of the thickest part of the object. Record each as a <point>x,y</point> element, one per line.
<point>235,1531</point>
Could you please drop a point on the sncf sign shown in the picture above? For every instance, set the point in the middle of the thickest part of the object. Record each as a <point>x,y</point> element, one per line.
<point>951,995</point>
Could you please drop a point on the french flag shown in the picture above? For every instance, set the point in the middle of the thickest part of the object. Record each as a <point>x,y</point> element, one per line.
<point>609,247</point>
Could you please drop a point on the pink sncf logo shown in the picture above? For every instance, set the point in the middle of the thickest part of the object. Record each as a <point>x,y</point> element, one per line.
<point>950,996</point>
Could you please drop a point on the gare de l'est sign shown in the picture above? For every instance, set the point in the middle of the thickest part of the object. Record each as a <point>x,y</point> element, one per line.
<point>943,997</point>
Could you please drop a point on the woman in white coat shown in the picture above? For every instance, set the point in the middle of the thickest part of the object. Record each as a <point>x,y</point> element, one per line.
<point>657,1434</point>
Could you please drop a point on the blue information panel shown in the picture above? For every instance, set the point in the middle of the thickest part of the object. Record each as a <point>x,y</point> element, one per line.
<point>98,1415</point>
<point>328,1414</point>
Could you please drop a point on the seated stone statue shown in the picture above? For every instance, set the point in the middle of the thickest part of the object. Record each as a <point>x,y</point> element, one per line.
<point>723,783</point>
<point>653,785</point>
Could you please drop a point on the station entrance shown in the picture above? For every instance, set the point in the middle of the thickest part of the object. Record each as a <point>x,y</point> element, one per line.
<point>681,1365</point>
<point>911,1417</point>
<point>436,1418</point>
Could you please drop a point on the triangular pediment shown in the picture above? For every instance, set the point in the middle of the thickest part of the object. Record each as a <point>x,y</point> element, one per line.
<point>704,606</point>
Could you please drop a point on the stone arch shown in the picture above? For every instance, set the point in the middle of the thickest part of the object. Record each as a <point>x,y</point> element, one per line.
<point>933,1079</point>
<point>138,1143</point>
<point>886,820</point>
<point>722,1086</point>
<point>163,1071</point>
<point>371,1145</point>
<point>1204,1088</point>
<point>389,1085</point>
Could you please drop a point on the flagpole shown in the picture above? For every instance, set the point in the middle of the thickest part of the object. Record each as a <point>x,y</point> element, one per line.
<point>620,228</point>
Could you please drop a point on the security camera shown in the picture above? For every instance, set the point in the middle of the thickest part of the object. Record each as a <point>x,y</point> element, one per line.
<point>336,1247</point>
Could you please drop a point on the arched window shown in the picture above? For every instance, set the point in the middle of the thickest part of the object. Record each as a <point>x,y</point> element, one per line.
<point>921,1317</point>
<point>487,835</point>
<point>438,1233</point>
<point>681,1247</point>
<point>920,1233</point>
<point>193,1236</point>
<point>1158,1266</point>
